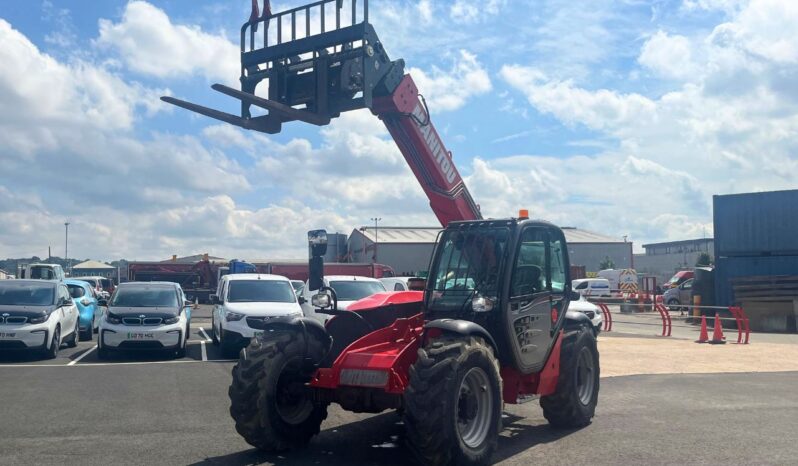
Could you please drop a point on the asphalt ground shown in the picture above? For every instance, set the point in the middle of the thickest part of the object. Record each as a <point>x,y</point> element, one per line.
<point>149,409</point>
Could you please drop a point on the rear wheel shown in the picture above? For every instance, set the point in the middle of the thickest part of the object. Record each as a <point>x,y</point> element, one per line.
<point>73,340</point>
<point>214,336</point>
<point>269,402</point>
<point>673,304</point>
<point>574,403</point>
<point>453,402</point>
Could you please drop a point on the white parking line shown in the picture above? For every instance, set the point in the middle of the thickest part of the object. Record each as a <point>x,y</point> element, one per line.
<point>205,335</point>
<point>85,353</point>
<point>204,354</point>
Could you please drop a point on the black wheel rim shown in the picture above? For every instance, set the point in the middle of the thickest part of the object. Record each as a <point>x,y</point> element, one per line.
<point>585,376</point>
<point>474,408</point>
<point>291,402</point>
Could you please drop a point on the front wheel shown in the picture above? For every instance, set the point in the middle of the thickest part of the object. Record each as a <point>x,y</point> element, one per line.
<point>268,399</point>
<point>55,344</point>
<point>453,402</point>
<point>574,403</point>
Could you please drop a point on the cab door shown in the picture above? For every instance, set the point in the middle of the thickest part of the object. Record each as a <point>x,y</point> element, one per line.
<point>537,292</point>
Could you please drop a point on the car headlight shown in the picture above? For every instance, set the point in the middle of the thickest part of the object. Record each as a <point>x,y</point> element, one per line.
<point>85,301</point>
<point>40,320</point>
<point>112,319</point>
<point>171,320</point>
<point>233,316</point>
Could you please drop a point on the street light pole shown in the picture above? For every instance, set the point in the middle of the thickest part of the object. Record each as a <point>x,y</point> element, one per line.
<point>376,237</point>
<point>66,244</point>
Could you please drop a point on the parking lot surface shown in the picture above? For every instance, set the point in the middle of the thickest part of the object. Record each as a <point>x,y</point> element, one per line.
<point>149,409</point>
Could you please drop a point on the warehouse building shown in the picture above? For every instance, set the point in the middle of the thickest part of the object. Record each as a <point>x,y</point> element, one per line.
<point>94,269</point>
<point>408,250</point>
<point>662,260</point>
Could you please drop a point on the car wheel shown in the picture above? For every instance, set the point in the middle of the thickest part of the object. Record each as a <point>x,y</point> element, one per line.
<point>55,344</point>
<point>214,335</point>
<point>673,304</point>
<point>73,340</point>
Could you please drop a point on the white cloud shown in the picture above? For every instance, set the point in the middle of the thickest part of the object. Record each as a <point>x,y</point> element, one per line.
<point>450,90</point>
<point>670,56</point>
<point>469,11</point>
<point>149,43</point>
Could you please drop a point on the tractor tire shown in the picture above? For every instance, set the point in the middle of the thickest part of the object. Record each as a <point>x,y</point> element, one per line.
<point>268,405</point>
<point>573,405</point>
<point>454,402</point>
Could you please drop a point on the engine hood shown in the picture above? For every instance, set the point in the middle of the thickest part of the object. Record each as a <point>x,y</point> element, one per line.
<point>263,309</point>
<point>27,311</point>
<point>147,311</point>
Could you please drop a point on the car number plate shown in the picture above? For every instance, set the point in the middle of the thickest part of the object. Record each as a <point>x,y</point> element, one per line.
<point>4,335</point>
<point>140,336</point>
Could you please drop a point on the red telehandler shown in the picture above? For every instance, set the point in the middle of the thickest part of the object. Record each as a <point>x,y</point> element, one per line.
<point>492,325</point>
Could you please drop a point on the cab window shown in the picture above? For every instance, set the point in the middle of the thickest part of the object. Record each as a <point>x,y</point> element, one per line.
<point>556,282</point>
<point>529,275</point>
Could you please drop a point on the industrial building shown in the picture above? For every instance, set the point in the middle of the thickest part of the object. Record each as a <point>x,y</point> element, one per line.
<point>662,260</point>
<point>409,249</point>
<point>95,269</point>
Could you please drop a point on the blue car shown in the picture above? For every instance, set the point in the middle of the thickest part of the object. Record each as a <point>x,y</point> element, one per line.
<point>86,301</point>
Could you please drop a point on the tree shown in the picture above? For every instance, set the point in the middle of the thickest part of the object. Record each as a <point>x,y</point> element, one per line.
<point>607,263</point>
<point>703,260</point>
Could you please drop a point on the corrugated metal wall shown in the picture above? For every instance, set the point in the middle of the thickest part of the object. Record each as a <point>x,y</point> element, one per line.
<point>756,224</point>
<point>732,267</point>
<point>756,235</point>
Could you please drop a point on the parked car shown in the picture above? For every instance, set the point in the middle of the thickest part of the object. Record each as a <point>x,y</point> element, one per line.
<point>85,298</point>
<point>592,287</point>
<point>98,285</point>
<point>679,278</point>
<point>42,272</point>
<point>403,283</point>
<point>37,315</point>
<point>145,316</point>
<point>348,289</point>
<point>590,310</point>
<point>244,303</point>
<point>680,296</point>
<point>298,285</point>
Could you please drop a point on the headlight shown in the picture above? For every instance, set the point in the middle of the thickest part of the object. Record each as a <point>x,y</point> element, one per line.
<point>40,320</point>
<point>112,319</point>
<point>233,316</point>
<point>171,320</point>
<point>482,304</point>
<point>85,301</point>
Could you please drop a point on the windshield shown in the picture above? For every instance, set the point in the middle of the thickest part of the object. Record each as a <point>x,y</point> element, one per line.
<point>260,291</point>
<point>76,291</point>
<point>297,285</point>
<point>469,262</point>
<point>17,294</point>
<point>160,296</point>
<point>356,290</point>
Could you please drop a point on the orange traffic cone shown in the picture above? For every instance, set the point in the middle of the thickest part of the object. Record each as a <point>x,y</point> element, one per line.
<point>717,335</point>
<point>704,336</point>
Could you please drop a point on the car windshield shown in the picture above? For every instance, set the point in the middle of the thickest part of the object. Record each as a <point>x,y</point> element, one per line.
<point>90,282</point>
<point>26,294</point>
<point>149,296</point>
<point>76,291</point>
<point>355,290</point>
<point>469,262</point>
<point>297,285</point>
<point>106,283</point>
<point>260,291</point>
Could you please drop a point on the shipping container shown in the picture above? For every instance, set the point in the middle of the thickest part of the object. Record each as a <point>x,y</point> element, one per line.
<point>728,268</point>
<point>756,224</point>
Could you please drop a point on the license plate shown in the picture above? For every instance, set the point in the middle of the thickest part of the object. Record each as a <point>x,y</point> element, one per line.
<point>140,336</point>
<point>4,335</point>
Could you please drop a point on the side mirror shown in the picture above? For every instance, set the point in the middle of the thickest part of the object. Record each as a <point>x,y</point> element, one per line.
<point>102,302</point>
<point>302,300</point>
<point>214,299</point>
<point>575,296</point>
<point>68,302</point>
<point>187,303</point>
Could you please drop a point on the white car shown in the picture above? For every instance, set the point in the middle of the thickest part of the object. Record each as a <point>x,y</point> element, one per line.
<point>590,310</point>
<point>403,283</point>
<point>37,315</point>
<point>244,303</point>
<point>348,289</point>
<point>145,316</point>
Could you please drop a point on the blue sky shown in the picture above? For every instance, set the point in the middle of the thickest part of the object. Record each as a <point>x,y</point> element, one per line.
<point>618,116</point>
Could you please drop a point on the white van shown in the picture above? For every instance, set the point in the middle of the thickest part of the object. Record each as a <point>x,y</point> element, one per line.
<point>592,287</point>
<point>42,272</point>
